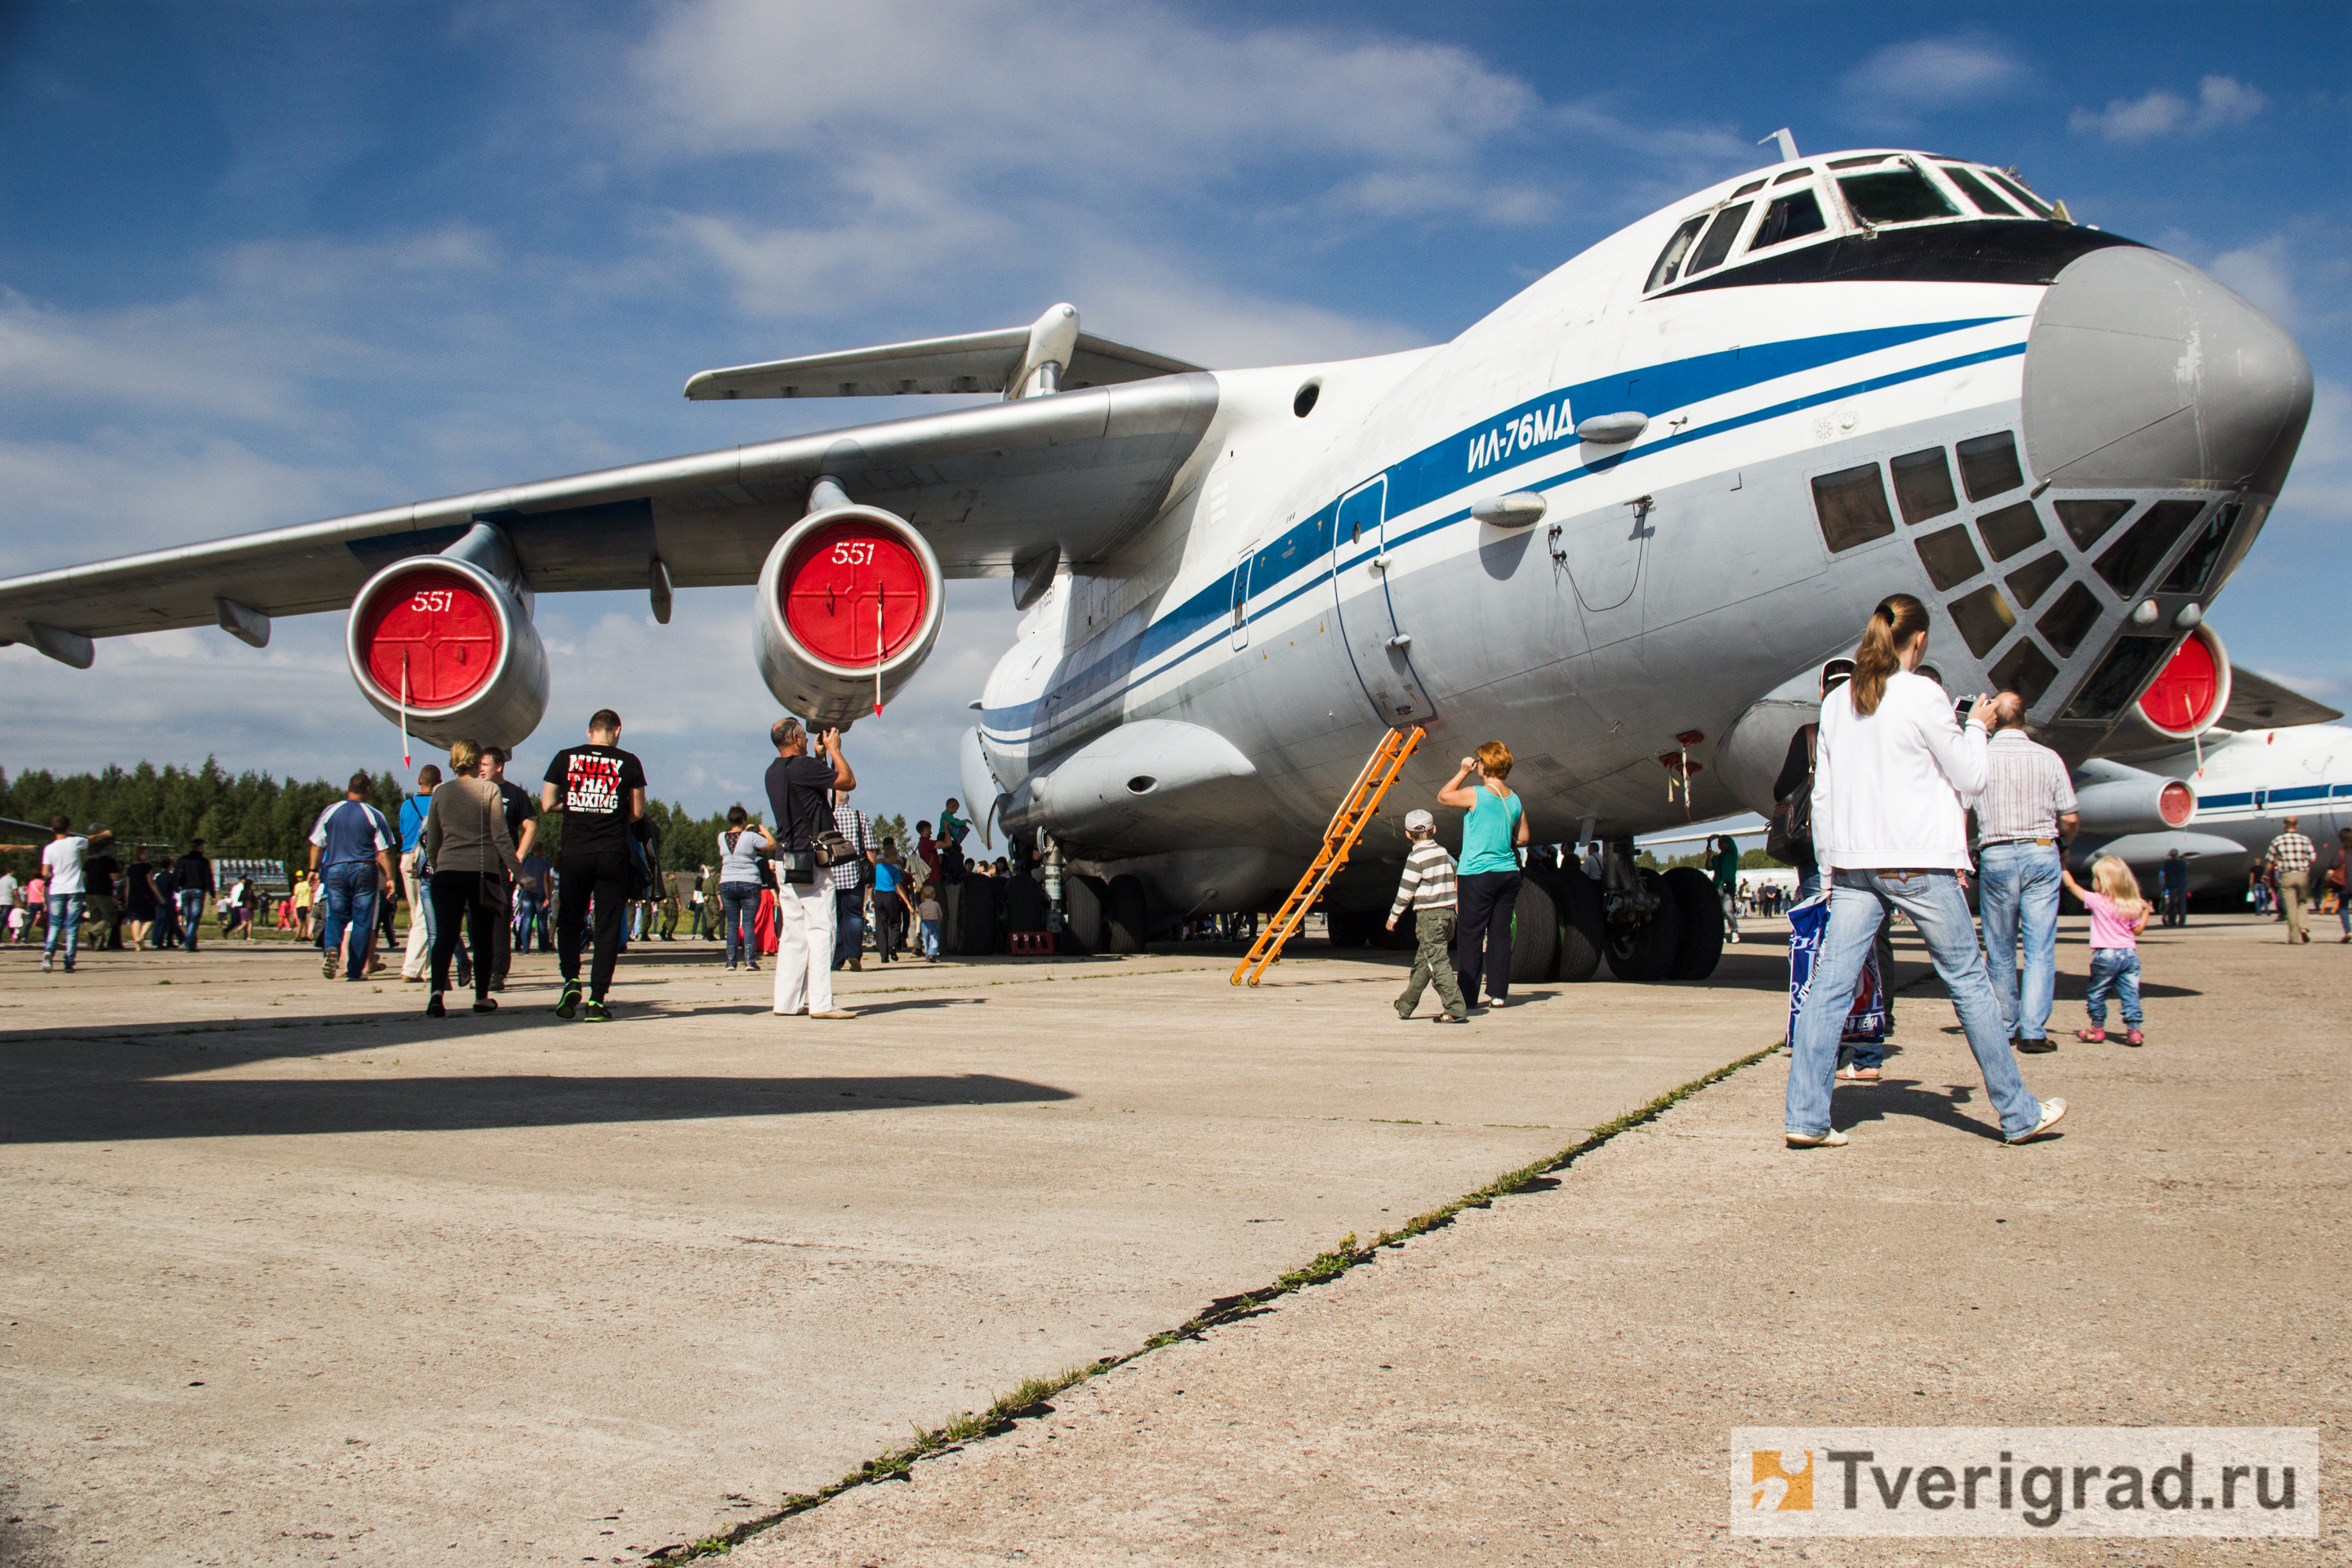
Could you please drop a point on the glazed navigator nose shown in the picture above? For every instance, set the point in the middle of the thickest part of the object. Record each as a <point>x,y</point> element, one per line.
<point>2142,373</point>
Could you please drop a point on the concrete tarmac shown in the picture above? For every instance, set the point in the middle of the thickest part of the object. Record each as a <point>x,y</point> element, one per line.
<point>296,1276</point>
<point>1553,1380</point>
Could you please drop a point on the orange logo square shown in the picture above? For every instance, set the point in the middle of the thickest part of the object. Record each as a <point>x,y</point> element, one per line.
<point>1782,1482</point>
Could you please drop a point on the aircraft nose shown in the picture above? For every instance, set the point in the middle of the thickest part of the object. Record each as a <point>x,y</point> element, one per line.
<point>2142,373</point>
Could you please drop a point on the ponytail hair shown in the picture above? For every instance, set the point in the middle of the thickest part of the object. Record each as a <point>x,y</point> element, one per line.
<point>1898,618</point>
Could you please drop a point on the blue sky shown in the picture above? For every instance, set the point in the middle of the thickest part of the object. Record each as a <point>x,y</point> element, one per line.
<point>264,263</point>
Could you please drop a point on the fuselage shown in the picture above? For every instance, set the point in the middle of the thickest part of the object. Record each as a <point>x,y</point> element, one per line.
<point>1815,421</point>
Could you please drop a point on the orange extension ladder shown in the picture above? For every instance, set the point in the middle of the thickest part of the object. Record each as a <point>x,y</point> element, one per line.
<point>1356,809</point>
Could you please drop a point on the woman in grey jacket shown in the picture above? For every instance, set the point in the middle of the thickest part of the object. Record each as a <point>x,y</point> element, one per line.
<point>472,860</point>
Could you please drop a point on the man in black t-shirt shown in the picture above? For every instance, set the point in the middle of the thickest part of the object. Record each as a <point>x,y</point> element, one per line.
<point>104,908</point>
<point>521,828</point>
<point>600,789</point>
<point>800,796</point>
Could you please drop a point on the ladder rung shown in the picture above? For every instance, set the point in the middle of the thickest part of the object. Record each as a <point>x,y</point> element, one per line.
<point>1358,806</point>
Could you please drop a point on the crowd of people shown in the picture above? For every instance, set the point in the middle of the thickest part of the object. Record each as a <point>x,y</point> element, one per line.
<point>1874,805</point>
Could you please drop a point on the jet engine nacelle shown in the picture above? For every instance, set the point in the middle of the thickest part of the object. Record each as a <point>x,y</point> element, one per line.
<point>849,608</point>
<point>2141,804</point>
<point>2188,694</point>
<point>445,642</point>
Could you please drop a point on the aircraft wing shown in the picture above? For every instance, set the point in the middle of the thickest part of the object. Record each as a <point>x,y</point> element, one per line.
<point>971,361</point>
<point>2257,702</point>
<point>1075,469</point>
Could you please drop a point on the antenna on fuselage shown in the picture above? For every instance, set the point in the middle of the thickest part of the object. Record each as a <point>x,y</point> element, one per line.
<point>1789,153</point>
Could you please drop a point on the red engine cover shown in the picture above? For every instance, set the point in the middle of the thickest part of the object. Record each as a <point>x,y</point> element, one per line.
<point>441,626</point>
<point>854,593</point>
<point>2176,802</point>
<point>2183,697</point>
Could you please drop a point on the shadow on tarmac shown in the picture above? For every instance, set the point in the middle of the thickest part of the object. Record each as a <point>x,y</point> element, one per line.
<point>103,1108</point>
<point>1893,1097</point>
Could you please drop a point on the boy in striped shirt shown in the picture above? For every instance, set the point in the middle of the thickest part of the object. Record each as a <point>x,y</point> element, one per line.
<point>1427,888</point>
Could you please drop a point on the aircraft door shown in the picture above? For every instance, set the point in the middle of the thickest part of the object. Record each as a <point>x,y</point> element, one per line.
<point>1240,596</point>
<point>1380,649</point>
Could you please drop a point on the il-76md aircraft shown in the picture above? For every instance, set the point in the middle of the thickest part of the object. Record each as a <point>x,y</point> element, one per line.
<point>1620,522</point>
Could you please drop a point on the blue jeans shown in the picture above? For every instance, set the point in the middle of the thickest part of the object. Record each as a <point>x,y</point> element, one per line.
<point>2114,970</point>
<point>930,939</point>
<point>350,886</point>
<point>65,920</point>
<point>192,910</point>
<point>739,909</point>
<point>848,924</point>
<point>528,910</point>
<point>2018,886</point>
<point>1859,901</point>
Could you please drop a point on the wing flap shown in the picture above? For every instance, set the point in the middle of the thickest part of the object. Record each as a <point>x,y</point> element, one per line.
<point>1080,470</point>
<point>970,362</point>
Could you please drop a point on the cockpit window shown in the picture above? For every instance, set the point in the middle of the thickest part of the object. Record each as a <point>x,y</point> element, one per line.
<point>2034,204</point>
<point>1897,193</point>
<point>1791,216</point>
<point>1978,194</point>
<point>1670,258</point>
<point>1719,237</point>
<point>1750,189</point>
<point>1792,174</point>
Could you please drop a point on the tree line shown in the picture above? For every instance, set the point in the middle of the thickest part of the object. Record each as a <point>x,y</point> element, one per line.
<point>252,815</point>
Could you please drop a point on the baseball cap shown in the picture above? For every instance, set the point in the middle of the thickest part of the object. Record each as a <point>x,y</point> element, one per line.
<point>1418,820</point>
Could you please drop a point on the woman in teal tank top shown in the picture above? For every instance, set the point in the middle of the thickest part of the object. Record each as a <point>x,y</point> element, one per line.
<point>1489,871</point>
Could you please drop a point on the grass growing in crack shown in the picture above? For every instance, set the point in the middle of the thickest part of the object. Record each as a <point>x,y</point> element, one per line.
<point>1345,1254</point>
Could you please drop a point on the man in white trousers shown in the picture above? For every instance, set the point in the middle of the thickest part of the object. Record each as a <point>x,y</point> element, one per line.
<point>801,802</point>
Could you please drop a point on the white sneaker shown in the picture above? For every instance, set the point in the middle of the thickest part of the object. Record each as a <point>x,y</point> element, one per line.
<point>2052,1111</point>
<point>1832,1139</point>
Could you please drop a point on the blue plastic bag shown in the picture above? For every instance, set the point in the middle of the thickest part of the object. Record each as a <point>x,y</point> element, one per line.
<point>1865,1021</point>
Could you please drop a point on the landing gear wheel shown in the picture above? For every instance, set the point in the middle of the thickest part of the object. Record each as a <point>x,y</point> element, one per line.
<point>1351,929</point>
<point>1126,914</point>
<point>1645,952</point>
<point>1087,900</point>
<point>1577,899</point>
<point>1702,908</point>
<point>1535,933</point>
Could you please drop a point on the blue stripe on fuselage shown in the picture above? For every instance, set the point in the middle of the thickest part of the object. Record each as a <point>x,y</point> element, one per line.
<point>1446,468</point>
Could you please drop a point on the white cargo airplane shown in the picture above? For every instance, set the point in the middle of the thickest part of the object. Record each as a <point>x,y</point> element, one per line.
<point>1620,522</point>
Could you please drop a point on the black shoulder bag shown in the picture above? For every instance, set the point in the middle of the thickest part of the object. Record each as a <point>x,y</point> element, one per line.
<point>1789,835</point>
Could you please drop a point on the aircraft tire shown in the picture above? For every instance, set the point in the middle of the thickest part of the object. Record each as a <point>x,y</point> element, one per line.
<point>1702,911</point>
<point>975,924</point>
<point>1024,904</point>
<point>1127,914</point>
<point>1646,952</point>
<point>1535,932</point>
<point>1087,902</point>
<point>1577,898</point>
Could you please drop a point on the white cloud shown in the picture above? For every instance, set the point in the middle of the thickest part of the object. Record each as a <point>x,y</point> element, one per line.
<point>119,492</point>
<point>2221,101</point>
<point>1089,91</point>
<point>2263,273</point>
<point>1133,297</point>
<point>1895,86</point>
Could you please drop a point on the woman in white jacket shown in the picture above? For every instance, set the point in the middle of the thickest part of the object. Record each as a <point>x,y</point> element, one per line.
<point>1895,770</point>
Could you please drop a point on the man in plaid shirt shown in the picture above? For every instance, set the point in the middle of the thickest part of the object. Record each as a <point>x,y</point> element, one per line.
<point>849,882</point>
<point>2289,858</point>
<point>1428,887</point>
